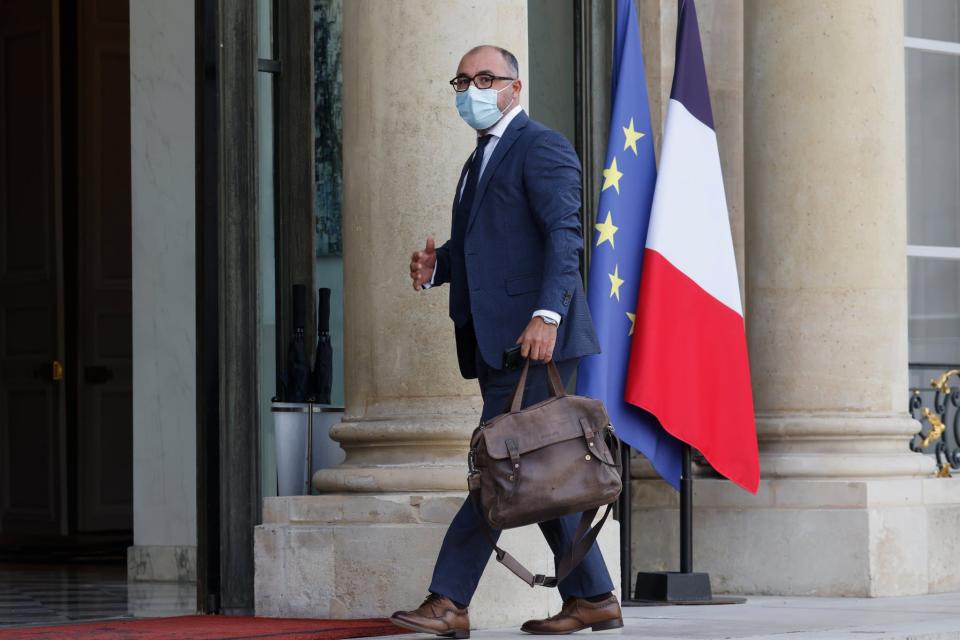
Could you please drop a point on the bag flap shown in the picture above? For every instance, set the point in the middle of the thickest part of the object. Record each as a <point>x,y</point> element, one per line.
<point>551,421</point>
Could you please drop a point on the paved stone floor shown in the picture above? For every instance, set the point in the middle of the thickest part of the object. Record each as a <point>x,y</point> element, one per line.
<point>933,617</point>
<point>51,594</point>
<point>37,594</point>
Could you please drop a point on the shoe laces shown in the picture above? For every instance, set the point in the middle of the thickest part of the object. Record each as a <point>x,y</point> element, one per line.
<point>430,599</point>
<point>434,601</point>
<point>569,606</point>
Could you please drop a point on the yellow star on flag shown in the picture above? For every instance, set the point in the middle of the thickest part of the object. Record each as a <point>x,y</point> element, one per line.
<point>615,282</point>
<point>632,135</point>
<point>611,176</point>
<point>633,322</point>
<point>607,230</point>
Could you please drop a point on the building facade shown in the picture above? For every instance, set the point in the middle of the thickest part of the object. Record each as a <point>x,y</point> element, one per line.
<point>315,142</point>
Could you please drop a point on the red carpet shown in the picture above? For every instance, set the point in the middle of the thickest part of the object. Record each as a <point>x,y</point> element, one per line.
<point>207,628</point>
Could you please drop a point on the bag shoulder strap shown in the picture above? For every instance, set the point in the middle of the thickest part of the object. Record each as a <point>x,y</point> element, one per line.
<point>583,539</point>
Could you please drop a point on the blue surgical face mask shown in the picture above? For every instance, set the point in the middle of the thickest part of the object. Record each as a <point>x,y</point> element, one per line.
<point>478,107</point>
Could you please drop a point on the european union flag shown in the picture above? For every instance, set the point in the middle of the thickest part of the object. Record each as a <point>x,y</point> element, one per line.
<point>619,240</point>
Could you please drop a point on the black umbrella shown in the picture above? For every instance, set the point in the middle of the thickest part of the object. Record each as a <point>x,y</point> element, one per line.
<point>322,376</point>
<point>296,378</point>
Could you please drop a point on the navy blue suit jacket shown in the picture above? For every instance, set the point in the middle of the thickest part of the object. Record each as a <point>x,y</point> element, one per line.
<point>522,247</point>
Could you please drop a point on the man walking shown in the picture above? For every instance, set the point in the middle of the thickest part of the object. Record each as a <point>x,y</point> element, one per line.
<point>512,263</point>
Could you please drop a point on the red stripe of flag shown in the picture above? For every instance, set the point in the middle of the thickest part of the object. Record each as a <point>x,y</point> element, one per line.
<point>689,367</point>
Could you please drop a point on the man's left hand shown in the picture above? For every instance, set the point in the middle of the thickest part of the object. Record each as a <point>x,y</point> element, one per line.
<point>538,340</point>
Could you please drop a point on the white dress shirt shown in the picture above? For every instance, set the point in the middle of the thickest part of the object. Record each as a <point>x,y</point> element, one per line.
<point>496,132</point>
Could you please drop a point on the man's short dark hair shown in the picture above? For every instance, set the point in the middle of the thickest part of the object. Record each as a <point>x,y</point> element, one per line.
<point>510,59</point>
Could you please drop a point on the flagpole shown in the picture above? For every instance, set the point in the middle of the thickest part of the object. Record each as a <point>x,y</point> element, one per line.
<point>686,513</point>
<point>626,533</point>
<point>659,588</point>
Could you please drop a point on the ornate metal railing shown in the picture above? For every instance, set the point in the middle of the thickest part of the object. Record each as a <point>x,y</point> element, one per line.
<point>940,426</point>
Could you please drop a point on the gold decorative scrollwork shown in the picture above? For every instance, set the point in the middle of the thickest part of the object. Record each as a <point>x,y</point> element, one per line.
<point>936,428</point>
<point>940,430</point>
<point>940,382</point>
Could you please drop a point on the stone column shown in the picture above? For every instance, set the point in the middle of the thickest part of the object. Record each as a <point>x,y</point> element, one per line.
<point>162,157</point>
<point>366,547</point>
<point>844,508</point>
<point>826,238</point>
<point>409,414</point>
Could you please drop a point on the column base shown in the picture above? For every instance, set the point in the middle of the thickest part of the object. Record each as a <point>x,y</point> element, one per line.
<point>406,445</point>
<point>366,556</point>
<point>801,537</point>
<point>839,445</point>
<point>391,478</point>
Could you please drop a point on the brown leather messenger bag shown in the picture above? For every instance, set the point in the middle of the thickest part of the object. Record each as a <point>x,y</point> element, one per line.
<point>554,458</point>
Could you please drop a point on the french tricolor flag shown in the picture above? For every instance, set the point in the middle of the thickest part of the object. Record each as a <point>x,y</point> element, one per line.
<point>688,360</point>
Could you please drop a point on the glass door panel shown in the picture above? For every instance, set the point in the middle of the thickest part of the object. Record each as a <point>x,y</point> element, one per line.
<point>328,133</point>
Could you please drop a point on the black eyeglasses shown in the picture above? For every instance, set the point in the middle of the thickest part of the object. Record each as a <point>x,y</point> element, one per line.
<point>481,80</point>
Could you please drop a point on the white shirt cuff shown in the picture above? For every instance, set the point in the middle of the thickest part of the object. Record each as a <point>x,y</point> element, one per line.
<point>427,285</point>
<point>546,313</point>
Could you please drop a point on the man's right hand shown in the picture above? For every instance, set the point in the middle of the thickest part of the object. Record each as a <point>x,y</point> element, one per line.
<point>422,264</point>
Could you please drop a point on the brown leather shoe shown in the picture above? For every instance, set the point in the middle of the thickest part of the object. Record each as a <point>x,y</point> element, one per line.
<point>437,615</point>
<point>577,614</point>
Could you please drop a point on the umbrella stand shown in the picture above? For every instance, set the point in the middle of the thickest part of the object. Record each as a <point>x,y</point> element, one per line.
<point>291,402</point>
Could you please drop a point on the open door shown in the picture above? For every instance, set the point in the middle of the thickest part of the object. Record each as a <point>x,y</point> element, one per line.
<point>104,378</point>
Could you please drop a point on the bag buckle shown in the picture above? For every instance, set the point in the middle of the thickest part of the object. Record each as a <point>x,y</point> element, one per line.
<point>544,581</point>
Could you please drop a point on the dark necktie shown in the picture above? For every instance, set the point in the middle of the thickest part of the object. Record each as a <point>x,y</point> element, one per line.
<point>469,190</point>
<point>459,288</point>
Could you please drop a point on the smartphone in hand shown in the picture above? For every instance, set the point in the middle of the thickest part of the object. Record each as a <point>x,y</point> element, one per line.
<point>512,358</point>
